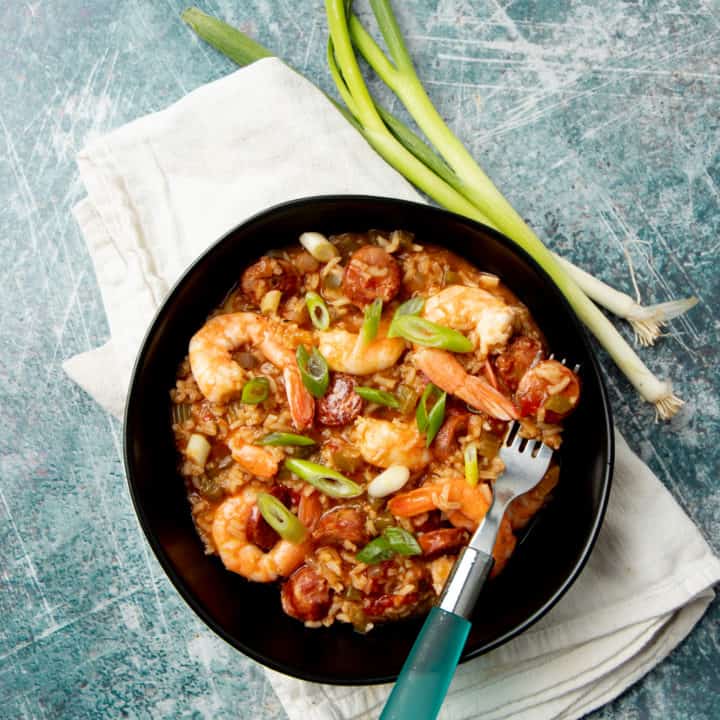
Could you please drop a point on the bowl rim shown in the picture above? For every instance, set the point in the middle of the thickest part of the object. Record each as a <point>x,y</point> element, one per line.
<point>176,579</point>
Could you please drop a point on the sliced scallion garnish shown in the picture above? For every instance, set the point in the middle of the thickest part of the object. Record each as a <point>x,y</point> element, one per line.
<point>429,334</point>
<point>285,439</point>
<point>314,370</point>
<point>280,519</point>
<point>319,313</point>
<point>429,421</point>
<point>255,391</point>
<point>381,397</point>
<point>325,479</point>
<point>371,323</point>
<point>394,541</point>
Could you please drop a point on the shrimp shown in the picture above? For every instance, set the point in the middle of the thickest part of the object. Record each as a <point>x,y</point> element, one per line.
<point>262,462</point>
<point>383,443</point>
<point>466,505</point>
<point>239,555</point>
<point>221,379</point>
<point>448,494</point>
<point>487,319</point>
<point>345,353</point>
<point>448,374</point>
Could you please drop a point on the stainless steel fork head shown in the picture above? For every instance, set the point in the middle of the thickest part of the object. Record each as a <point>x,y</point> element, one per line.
<point>526,461</point>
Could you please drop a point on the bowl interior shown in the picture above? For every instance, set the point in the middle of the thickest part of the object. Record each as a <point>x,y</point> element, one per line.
<point>248,615</point>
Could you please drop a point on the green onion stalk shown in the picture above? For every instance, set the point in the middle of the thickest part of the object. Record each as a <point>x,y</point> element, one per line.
<point>454,180</point>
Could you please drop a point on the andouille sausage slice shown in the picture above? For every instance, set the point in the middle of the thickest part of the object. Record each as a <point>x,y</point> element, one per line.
<point>371,273</point>
<point>341,404</point>
<point>306,595</point>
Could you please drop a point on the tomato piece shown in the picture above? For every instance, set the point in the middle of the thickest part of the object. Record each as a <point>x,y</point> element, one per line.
<point>549,390</point>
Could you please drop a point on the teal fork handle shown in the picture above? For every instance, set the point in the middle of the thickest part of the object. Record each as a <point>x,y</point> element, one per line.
<point>422,685</point>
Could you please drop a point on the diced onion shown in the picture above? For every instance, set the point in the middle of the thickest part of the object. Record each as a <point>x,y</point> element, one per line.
<point>318,246</point>
<point>198,449</point>
<point>388,481</point>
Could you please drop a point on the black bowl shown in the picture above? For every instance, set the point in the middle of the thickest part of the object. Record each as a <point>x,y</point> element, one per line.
<point>248,615</point>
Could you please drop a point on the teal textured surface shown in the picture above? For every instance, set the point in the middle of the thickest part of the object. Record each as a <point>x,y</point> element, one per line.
<point>599,120</point>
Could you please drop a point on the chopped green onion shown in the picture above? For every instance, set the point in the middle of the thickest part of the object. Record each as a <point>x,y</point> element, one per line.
<point>430,421</point>
<point>270,302</point>
<point>285,438</point>
<point>423,332</point>
<point>317,308</point>
<point>313,370</point>
<point>381,397</point>
<point>421,414</point>
<point>413,306</point>
<point>280,519</point>
<point>394,541</point>
<point>410,307</point>
<point>319,246</point>
<point>401,541</point>
<point>325,479</point>
<point>435,419</point>
<point>255,391</point>
<point>375,551</point>
<point>471,464</point>
<point>371,323</point>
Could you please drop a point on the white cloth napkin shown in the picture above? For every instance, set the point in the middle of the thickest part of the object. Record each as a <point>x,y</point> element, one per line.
<point>162,188</point>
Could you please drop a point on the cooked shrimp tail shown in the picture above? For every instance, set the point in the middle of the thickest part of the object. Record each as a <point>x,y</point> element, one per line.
<point>301,402</point>
<point>449,375</point>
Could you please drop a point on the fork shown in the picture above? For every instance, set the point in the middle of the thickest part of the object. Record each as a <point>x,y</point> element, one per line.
<point>426,675</point>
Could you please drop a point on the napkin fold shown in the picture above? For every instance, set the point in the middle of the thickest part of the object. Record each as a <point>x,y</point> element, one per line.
<point>163,188</point>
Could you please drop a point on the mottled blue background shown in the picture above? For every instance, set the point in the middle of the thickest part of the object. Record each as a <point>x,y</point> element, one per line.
<point>598,119</point>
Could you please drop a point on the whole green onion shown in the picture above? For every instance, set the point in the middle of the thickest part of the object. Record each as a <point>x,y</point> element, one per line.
<point>381,397</point>
<point>394,541</point>
<point>325,479</point>
<point>423,332</point>
<point>319,313</point>
<point>458,184</point>
<point>285,438</point>
<point>430,421</point>
<point>313,370</point>
<point>371,323</point>
<point>280,519</point>
<point>471,464</point>
<point>255,391</point>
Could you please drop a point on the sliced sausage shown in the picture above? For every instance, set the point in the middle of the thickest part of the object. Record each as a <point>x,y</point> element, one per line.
<point>456,421</point>
<point>340,404</point>
<point>515,361</point>
<point>442,541</point>
<point>306,595</point>
<point>340,524</point>
<point>269,273</point>
<point>371,273</point>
